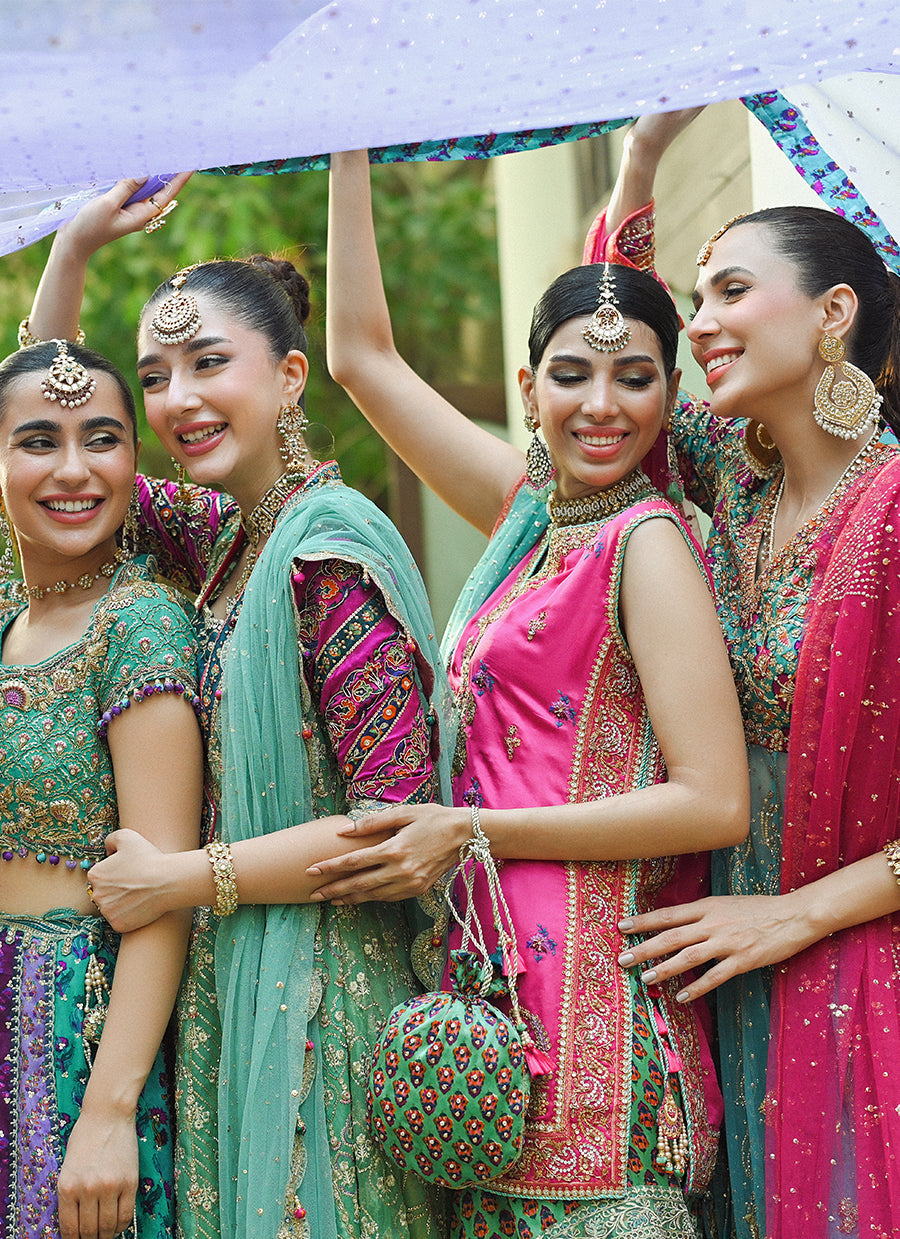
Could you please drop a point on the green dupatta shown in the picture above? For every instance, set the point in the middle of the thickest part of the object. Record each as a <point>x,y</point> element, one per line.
<point>264,954</point>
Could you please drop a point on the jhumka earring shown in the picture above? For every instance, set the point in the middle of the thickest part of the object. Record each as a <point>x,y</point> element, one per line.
<point>8,558</point>
<point>177,318</point>
<point>607,331</point>
<point>292,421</point>
<point>538,465</point>
<point>844,406</point>
<point>67,380</point>
<point>131,525</point>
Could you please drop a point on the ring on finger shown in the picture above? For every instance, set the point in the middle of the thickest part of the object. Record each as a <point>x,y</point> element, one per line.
<point>159,220</point>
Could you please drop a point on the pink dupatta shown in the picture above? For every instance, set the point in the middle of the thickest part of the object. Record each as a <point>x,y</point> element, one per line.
<point>833,1097</point>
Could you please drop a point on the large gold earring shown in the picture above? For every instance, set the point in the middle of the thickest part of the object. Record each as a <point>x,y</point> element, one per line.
<point>538,465</point>
<point>292,421</point>
<point>8,558</point>
<point>131,525</point>
<point>845,406</point>
<point>759,450</point>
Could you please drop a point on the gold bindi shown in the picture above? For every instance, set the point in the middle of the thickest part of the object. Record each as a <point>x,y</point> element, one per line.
<point>177,318</point>
<point>607,331</point>
<point>706,248</point>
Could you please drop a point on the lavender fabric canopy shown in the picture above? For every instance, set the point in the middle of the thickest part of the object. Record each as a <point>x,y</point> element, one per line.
<point>107,88</point>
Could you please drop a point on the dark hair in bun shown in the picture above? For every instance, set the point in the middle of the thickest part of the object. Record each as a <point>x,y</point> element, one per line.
<point>268,295</point>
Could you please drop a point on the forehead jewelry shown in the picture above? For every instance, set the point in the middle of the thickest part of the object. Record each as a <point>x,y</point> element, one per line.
<point>67,380</point>
<point>607,331</point>
<point>177,318</point>
<point>706,249</point>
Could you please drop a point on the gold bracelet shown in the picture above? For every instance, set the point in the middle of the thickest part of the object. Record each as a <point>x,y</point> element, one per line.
<point>26,339</point>
<point>892,852</point>
<point>224,878</point>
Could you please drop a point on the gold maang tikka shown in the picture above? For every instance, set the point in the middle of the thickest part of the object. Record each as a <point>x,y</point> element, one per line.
<point>177,318</point>
<point>706,247</point>
<point>607,331</point>
<point>67,381</point>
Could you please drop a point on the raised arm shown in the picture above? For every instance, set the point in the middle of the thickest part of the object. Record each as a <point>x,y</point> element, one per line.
<point>57,302</point>
<point>469,468</point>
<point>645,144</point>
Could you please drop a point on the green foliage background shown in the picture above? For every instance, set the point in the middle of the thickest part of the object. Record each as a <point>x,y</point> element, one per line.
<point>436,229</point>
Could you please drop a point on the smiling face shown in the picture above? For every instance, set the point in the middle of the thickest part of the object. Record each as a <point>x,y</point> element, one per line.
<point>755,332</point>
<point>213,401</point>
<point>66,475</point>
<point>600,413</point>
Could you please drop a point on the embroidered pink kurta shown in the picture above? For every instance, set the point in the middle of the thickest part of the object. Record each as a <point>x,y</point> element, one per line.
<point>552,712</point>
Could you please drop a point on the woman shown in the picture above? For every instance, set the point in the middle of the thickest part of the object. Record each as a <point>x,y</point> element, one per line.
<point>97,680</point>
<point>576,656</point>
<point>803,549</point>
<point>319,693</point>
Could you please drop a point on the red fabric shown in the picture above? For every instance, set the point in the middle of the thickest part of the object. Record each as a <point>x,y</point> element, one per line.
<point>833,1127</point>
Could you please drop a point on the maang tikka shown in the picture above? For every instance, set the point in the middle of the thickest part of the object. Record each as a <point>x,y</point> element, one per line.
<point>177,318</point>
<point>607,331</point>
<point>67,381</point>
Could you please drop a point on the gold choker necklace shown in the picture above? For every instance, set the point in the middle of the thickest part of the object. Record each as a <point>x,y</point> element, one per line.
<point>260,520</point>
<point>85,581</point>
<point>602,504</point>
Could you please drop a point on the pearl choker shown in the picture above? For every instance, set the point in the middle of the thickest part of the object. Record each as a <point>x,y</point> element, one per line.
<point>602,504</point>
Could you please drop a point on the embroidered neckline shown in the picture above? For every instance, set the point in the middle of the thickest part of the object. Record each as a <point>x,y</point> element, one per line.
<point>602,504</point>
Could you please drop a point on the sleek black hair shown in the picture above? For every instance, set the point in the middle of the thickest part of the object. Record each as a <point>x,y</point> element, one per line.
<point>827,250</point>
<point>575,293</point>
<point>39,357</point>
<point>268,295</point>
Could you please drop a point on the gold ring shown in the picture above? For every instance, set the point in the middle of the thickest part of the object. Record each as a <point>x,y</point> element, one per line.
<point>159,220</point>
<point>155,203</point>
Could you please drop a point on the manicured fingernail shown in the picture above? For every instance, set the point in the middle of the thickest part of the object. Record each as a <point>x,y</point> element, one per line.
<point>626,958</point>
<point>314,869</point>
<point>626,926</point>
<point>649,977</point>
<point>683,996</point>
<point>337,903</point>
<point>315,897</point>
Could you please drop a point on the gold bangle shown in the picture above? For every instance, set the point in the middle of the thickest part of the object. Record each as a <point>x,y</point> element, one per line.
<point>892,852</point>
<point>26,339</point>
<point>224,878</point>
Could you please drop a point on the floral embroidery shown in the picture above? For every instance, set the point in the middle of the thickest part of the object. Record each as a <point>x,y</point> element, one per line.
<point>563,710</point>
<point>537,625</point>
<point>482,680</point>
<point>540,944</point>
<point>512,741</point>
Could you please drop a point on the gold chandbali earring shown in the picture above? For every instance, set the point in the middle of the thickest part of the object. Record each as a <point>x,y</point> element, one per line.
<point>177,318</point>
<point>538,465</point>
<point>847,406</point>
<point>607,331</point>
<point>292,421</point>
<point>67,380</point>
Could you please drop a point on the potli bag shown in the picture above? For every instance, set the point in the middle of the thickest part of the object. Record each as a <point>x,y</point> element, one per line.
<point>449,1082</point>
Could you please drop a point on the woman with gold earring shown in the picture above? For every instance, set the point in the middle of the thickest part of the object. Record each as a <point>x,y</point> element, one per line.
<point>97,681</point>
<point>796,328</point>
<point>321,691</point>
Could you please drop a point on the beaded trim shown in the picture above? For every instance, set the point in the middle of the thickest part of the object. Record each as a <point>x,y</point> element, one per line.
<point>50,858</point>
<point>602,504</point>
<point>146,690</point>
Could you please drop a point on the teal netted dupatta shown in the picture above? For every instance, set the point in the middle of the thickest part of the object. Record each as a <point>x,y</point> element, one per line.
<point>522,523</point>
<point>264,954</point>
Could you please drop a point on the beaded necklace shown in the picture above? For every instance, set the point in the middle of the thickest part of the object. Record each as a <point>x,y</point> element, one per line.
<point>601,504</point>
<point>85,581</point>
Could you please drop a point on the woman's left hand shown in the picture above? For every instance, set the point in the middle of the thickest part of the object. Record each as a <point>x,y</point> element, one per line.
<point>738,932</point>
<point>129,886</point>
<point>99,1177</point>
<point>424,846</point>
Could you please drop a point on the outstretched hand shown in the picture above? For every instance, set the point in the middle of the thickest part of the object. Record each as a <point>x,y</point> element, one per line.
<point>738,932</point>
<point>106,218</point>
<point>656,131</point>
<point>129,886</point>
<point>423,845</point>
